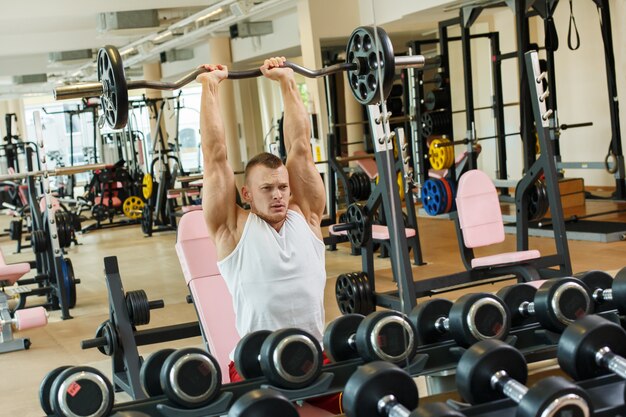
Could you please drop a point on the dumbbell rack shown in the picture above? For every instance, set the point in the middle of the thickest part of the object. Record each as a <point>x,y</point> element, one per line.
<point>120,339</point>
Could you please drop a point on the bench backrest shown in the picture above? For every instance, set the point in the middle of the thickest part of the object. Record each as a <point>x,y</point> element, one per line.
<point>479,210</point>
<point>213,302</point>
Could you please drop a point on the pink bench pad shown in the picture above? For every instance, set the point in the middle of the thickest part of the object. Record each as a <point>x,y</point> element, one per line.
<point>505,258</point>
<point>379,232</point>
<point>12,272</point>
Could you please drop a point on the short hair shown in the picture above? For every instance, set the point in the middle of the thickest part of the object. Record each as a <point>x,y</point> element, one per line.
<point>266,159</point>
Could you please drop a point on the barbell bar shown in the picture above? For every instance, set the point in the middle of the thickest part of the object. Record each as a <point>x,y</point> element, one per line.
<point>370,66</point>
<point>54,172</point>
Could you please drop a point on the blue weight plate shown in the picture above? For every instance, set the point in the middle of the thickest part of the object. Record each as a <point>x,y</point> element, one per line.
<point>432,197</point>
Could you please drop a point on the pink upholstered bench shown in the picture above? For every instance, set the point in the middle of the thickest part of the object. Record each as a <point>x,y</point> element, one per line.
<point>11,273</point>
<point>213,302</point>
<point>481,222</point>
<point>379,232</point>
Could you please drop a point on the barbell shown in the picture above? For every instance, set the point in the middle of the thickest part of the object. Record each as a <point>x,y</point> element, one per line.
<point>370,65</point>
<point>54,172</point>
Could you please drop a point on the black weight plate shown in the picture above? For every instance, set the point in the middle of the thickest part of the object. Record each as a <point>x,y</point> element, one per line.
<point>291,358</point>
<point>368,295</point>
<point>262,402</point>
<point>114,99</point>
<point>480,362</point>
<point>371,49</point>
<point>386,335</point>
<point>146,220</point>
<point>191,377</point>
<point>356,278</point>
<point>513,296</point>
<point>427,125</point>
<point>424,317</point>
<point>81,391</point>
<point>44,388</point>
<point>580,342</point>
<point>543,399</point>
<point>337,335</point>
<point>150,372</point>
<point>561,301</point>
<point>247,351</point>
<point>479,316</point>
<point>346,293</point>
<point>373,381</point>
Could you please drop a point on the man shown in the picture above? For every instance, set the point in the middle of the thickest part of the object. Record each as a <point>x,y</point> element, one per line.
<point>271,257</point>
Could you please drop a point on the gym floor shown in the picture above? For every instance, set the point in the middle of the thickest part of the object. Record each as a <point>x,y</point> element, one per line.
<point>151,264</point>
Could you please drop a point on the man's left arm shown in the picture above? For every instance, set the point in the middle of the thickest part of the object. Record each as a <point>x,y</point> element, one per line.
<point>306,184</point>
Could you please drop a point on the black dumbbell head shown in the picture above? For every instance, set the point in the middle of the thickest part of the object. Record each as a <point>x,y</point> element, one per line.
<point>597,281</point>
<point>262,403</point>
<point>388,336</point>
<point>435,410</point>
<point>337,336</point>
<point>479,316</point>
<point>247,351</point>
<point>514,296</point>
<point>580,342</point>
<point>554,396</point>
<point>561,301</point>
<point>291,358</point>
<point>44,388</point>
<point>619,291</point>
<point>191,377</point>
<point>373,381</point>
<point>150,372</point>
<point>81,391</point>
<point>424,317</point>
<point>480,362</point>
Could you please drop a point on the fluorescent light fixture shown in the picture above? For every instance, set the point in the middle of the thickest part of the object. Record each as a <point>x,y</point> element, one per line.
<point>162,36</point>
<point>209,15</point>
<point>130,51</point>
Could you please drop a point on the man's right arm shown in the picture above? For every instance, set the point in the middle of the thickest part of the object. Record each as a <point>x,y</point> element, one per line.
<point>218,189</point>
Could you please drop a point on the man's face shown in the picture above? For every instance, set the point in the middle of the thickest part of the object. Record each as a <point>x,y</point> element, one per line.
<point>267,191</point>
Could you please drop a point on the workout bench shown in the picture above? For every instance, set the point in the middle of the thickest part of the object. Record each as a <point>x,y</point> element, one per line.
<point>27,318</point>
<point>198,259</point>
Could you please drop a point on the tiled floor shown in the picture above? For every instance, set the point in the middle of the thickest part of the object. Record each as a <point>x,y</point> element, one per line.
<point>151,264</point>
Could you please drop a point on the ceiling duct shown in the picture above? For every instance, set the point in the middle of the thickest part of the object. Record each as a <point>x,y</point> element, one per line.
<point>75,55</point>
<point>30,78</point>
<point>128,20</point>
<point>247,29</point>
<point>174,55</point>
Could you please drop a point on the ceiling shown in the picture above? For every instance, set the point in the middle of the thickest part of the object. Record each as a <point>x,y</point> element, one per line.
<point>31,30</point>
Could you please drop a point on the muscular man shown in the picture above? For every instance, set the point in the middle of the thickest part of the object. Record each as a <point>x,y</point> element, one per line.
<point>271,257</point>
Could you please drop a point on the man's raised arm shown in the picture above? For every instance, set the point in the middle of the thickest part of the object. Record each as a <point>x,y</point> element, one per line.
<point>306,183</point>
<point>218,189</point>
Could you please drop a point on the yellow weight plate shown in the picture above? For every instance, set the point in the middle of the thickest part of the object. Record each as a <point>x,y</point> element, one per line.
<point>132,207</point>
<point>147,185</point>
<point>437,156</point>
<point>400,184</point>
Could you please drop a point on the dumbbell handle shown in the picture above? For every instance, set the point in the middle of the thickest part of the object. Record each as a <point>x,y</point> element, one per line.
<point>600,295</point>
<point>509,387</point>
<point>93,343</point>
<point>390,407</point>
<point>155,304</point>
<point>607,359</point>
<point>527,308</point>
<point>442,324</point>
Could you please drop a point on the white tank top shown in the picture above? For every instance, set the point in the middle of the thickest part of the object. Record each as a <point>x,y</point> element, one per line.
<point>277,279</point>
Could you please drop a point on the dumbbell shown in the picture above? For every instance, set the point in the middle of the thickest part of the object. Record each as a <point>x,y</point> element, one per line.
<point>471,318</point>
<point>75,392</point>
<point>190,377</point>
<point>382,335</point>
<point>150,372</point>
<point>288,358</point>
<point>382,389</point>
<point>555,304</point>
<point>491,369</point>
<point>592,346</point>
<point>607,292</point>
<point>262,402</point>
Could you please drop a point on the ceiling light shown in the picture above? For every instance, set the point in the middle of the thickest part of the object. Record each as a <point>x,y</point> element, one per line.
<point>209,15</point>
